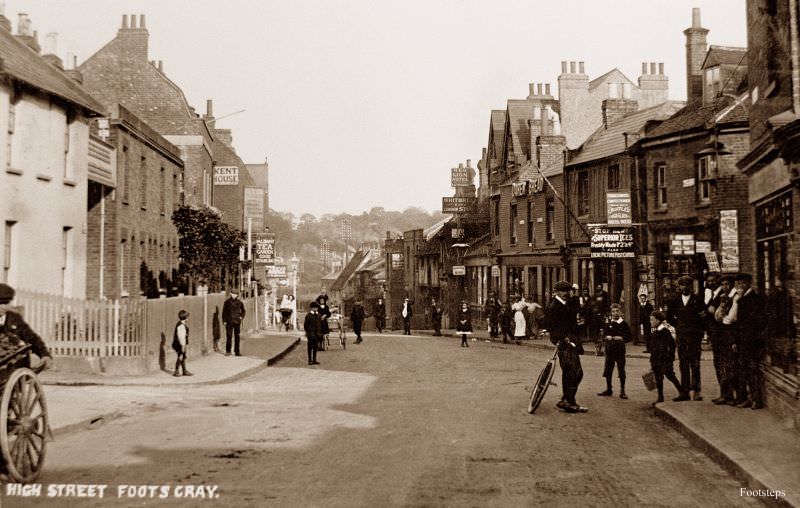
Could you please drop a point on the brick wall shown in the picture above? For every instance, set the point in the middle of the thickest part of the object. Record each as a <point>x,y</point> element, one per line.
<point>230,198</point>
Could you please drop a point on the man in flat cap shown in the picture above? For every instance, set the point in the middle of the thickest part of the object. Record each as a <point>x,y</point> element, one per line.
<point>11,323</point>
<point>233,313</point>
<point>687,313</point>
<point>751,321</point>
<point>561,320</point>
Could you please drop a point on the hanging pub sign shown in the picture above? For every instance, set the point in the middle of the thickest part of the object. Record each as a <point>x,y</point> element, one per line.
<point>457,204</point>
<point>459,177</point>
<point>729,240</point>
<point>618,206</point>
<point>611,241</point>
<point>519,189</point>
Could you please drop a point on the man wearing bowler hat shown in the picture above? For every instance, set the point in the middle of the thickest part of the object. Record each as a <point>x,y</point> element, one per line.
<point>11,323</point>
<point>561,320</point>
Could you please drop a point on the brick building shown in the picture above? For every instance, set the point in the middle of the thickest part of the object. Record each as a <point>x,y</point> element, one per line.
<point>120,73</point>
<point>773,170</point>
<point>696,199</point>
<point>45,159</point>
<point>394,253</point>
<point>229,191</point>
<point>133,245</point>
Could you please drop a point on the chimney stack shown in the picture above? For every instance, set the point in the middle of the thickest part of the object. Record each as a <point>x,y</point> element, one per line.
<point>615,109</point>
<point>51,50</point>
<point>5,23</point>
<point>209,108</point>
<point>133,37</point>
<point>696,46</point>
<point>547,89</point>
<point>74,73</point>
<point>160,66</point>
<point>26,34</point>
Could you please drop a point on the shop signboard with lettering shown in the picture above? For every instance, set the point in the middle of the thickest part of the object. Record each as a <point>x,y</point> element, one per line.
<point>729,240</point>
<point>263,249</point>
<point>457,204</point>
<point>226,175</point>
<point>618,206</point>
<point>682,245</point>
<point>495,271</point>
<point>459,177</point>
<point>459,270</point>
<point>276,271</point>
<point>611,241</point>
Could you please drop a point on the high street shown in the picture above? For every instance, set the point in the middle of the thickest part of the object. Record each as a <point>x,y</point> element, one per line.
<point>396,421</point>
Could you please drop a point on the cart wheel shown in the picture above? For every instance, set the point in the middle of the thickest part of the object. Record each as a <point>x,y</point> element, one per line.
<point>23,425</point>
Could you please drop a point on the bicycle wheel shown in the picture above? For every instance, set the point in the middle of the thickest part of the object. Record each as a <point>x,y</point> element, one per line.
<point>539,389</point>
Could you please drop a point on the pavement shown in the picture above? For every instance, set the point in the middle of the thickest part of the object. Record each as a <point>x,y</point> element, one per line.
<point>754,446</point>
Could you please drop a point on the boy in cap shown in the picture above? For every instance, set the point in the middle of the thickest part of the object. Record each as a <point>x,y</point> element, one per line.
<point>662,356</point>
<point>180,343</point>
<point>11,323</point>
<point>562,320</point>
<point>618,332</point>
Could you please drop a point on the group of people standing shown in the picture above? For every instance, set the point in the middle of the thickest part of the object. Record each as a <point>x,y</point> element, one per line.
<point>516,318</point>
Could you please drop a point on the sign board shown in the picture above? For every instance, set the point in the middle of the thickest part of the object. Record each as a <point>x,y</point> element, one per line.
<point>459,270</point>
<point>688,182</point>
<point>682,245</point>
<point>457,204</point>
<point>459,177</point>
<point>457,233</point>
<point>702,246</point>
<point>226,175</point>
<point>618,206</point>
<point>537,185</point>
<point>729,240</point>
<point>263,249</point>
<point>611,241</point>
<point>276,271</point>
<point>495,271</point>
<point>254,202</point>
<point>519,189</point>
<point>711,261</point>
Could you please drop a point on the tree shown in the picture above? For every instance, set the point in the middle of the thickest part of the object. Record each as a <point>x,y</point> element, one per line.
<point>209,248</point>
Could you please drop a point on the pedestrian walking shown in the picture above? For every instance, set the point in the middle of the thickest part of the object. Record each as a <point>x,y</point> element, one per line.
<point>561,321</point>
<point>464,323</point>
<point>233,313</point>
<point>406,312</point>
<point>506,319</point>
<point>520,326</point>
<point>436,318</point>
<point>324,311</point>
<point>750,324</point>
<point>380,315</point>
<point>357,318</point>
<point>313,328</point>
<point>180,343</point>
<point>726,306</point>
<point>686,312</point>
<point>492,310</point>
<point>645,309</point>
<point>618,333</point>
<point>662,356</point>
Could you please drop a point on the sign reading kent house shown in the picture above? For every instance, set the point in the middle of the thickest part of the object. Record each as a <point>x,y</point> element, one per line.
<point>457,204</point>
<point>611,241</point>
<point>618,206</point>
<point>226,175</point>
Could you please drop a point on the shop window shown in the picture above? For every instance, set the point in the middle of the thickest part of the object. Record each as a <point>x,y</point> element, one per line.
<point>775,217</point>
<point>613,177</point>
<point>661,186</point>
<point>705,171</point>
<point>513,214</point>
<point>583,193</point>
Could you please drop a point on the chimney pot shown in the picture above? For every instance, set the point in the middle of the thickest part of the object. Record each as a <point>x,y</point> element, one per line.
<point>531,89</point>
<point>74,61</point>
<point>124,21</point>
<point>469,161</point>
<point>661,68</point>
<point>696,17</point>
<point>580,65</point>
<point>51,43</point>
<point>133,20</point>
<point>538,89</point>
<point>460,165</point>
<point>652,68</point>
<point>23,24</point>
<point>572,67</point>
<point>563,67</point>
<point>160,66</point>
<point>547,89</point>
<point>210,108</point>
<point>644,68</point>
<point>141,21</point>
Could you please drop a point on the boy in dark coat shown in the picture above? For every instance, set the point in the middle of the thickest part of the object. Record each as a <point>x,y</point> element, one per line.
<point>180,343</point>
<point>662,356</point>
<point>313,328</point>
<point>618,333</point>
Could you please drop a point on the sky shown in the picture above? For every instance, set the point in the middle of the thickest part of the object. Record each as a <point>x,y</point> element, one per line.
<point>362,103</point>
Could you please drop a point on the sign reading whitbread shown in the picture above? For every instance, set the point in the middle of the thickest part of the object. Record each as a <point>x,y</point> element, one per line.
<point>611,241</point>
<point>457,204</point>
<point>264,249</point>
<point>226,175</point>
<point>729,240</point>
<point>618,206</point>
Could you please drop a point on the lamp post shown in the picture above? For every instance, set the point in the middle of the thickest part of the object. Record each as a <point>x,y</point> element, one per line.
<point>295,263</point>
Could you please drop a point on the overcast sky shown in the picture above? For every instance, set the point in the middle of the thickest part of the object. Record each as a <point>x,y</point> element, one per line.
<point>370,103</point>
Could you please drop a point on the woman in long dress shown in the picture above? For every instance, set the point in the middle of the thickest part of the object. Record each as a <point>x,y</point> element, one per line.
<point>520,329</point>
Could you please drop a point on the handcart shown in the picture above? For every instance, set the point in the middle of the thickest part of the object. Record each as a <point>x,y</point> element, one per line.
<point>24,427</point>
<point>337,327</point>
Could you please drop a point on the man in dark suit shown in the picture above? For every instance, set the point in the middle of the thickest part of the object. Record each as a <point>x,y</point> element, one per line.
<point>687,313</point>
<point>313,328</point>
<point>561,320</point>
<point>12,324</point>
<point>406,312</point>
<point>751,320</point>
<point>233,313</point>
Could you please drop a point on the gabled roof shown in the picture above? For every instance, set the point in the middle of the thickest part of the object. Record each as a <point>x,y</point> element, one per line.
<point>724,55</point>
<point>348,271</point>
<point>497,124</point>
<point>519,114</point>
<point>615,72</point>
<point>24,64</point>
<point>696,116</point>
<point>431,231</point>
<point>609,141</point>
<point>373,266</point>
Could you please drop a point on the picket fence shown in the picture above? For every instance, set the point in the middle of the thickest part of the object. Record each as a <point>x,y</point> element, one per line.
<point>129,328</point>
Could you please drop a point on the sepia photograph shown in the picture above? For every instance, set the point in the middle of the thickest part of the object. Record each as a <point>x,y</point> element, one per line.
<point>420,253</point>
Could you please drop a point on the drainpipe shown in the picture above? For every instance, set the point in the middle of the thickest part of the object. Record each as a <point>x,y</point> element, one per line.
<point>102,242</point>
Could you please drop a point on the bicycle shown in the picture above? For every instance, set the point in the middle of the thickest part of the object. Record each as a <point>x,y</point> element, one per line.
<point>543,382</point>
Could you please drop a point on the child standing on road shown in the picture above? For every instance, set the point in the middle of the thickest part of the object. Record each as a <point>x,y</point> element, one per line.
<point>464,325</point>
<point>180,343</point>
<point>618,332</point>
<point>662,356</point>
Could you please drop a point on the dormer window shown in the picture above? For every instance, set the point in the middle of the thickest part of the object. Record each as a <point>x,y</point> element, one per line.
<point>713,83</point>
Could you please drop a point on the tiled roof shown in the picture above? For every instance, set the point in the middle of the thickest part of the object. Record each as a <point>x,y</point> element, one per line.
<point>24,64</point>
<point>600,79</point>
<point>498,121</point>
<point>432,231</point>
<point>348,271</point>
<point>609,141</point>
<point>724,55</point>
<point>520,113</point>
<point>697,116</point>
